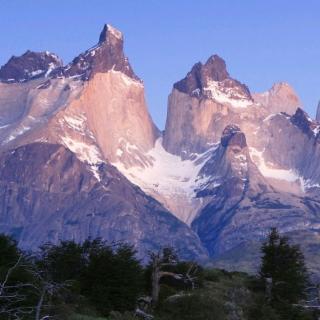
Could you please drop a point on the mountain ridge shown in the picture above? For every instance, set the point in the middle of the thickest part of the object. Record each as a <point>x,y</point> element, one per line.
<point>229,165</point>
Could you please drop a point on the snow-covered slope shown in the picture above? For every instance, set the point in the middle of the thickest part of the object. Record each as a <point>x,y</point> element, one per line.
<point>170,179</point>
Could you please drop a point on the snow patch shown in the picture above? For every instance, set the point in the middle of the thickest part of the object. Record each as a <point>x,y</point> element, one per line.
<point>86,153</point>
<point>114,31</point>
<point>269,117</point>
<point>127,81</point>
<point>35,73</point>
<point>17,132</point>
<point>316,130</point>
<point>308,184</point>
<point>168,175</point>
<point>51,67</point>
<point>76,122</point>
<point>270,172</point>
<point>227,95</point>
<point>119,152</point>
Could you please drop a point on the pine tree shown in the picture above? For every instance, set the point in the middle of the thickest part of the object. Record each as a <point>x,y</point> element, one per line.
<point>283,269</point>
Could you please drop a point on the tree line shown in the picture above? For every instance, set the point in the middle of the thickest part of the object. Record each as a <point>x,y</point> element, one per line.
<point>100,278</point>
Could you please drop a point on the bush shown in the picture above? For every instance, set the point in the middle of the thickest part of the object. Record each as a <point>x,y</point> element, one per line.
<point>192,307</point>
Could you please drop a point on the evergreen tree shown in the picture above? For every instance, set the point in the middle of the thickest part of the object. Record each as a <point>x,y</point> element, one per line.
<point>285,275</point>
<point>113,278</point>
<point>65,261</point>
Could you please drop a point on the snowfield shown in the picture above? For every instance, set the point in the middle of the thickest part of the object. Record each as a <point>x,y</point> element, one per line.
<point>169,175</point>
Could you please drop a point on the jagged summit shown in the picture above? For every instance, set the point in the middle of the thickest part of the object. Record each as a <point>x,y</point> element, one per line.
<point>233,136</point>
<point>109,32</point>
<point>29,65</point>
<point>212,80</point>
<point>215,69</point>
<point>197,78</point>
<point>301,120</point>
<point>105,56</point>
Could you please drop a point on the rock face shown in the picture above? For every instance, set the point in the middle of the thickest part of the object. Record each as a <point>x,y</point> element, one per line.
<point>29,66</point>
<point>98,93</point>
<point>105,56</point>
<point>207,90</point>
<point>47,194</point>
<point>202,78</point>
<point>202,104</point>
<point>242,205</point>
<point>80,156</point>
<point>281,97</point>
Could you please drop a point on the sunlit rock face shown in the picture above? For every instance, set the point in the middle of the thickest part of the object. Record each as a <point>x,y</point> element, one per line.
<point>202,104</point>
<point>97,96</point>
<point>280,98</point>
<point>199,106</point>
<point>59,131</point>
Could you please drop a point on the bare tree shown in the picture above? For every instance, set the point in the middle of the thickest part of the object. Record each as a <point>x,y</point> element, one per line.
<point>14,303</point>
<point>45,288</point>
<point>13,295</point>
<point>165,258</point>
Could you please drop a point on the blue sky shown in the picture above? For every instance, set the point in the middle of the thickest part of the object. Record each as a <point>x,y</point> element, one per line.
<point>262,41</point>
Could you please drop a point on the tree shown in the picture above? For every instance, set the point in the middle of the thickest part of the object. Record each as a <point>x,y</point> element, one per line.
<point>16,289</point>
<point>284,273</point>
<point>65,261</point>
<point>165,263</point>
<point>113,278</point>
<point>283,266</point>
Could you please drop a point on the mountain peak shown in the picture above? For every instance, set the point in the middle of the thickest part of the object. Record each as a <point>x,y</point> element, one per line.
<point>233,136</point>
<point>215,69</point>
<point>203,77</point>
<point>301,120</point>
<point>108,32</point>
<point>105,56</point>
<point>29,65</point>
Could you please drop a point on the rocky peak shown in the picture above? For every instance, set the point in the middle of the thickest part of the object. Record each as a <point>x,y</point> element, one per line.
<point>29,66</point>
<point>214,69</point>
<point>233,136</point>
<point>110,33</point>
<point>301,120</point>
<point>105,56</point>
<point>212,80</point>
<point>280,98</point>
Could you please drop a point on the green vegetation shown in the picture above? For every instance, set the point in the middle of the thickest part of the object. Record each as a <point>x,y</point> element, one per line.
<point>100,281</point>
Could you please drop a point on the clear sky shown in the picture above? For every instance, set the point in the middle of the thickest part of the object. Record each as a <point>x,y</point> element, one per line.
<point>262,41</point>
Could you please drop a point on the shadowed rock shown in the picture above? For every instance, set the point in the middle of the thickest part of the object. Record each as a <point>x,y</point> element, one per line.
<point>30,65</point>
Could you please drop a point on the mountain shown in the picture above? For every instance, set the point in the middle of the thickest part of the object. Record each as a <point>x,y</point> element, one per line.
<point>81,157</point>
<point>59,133</point>
<point>234,164</point>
